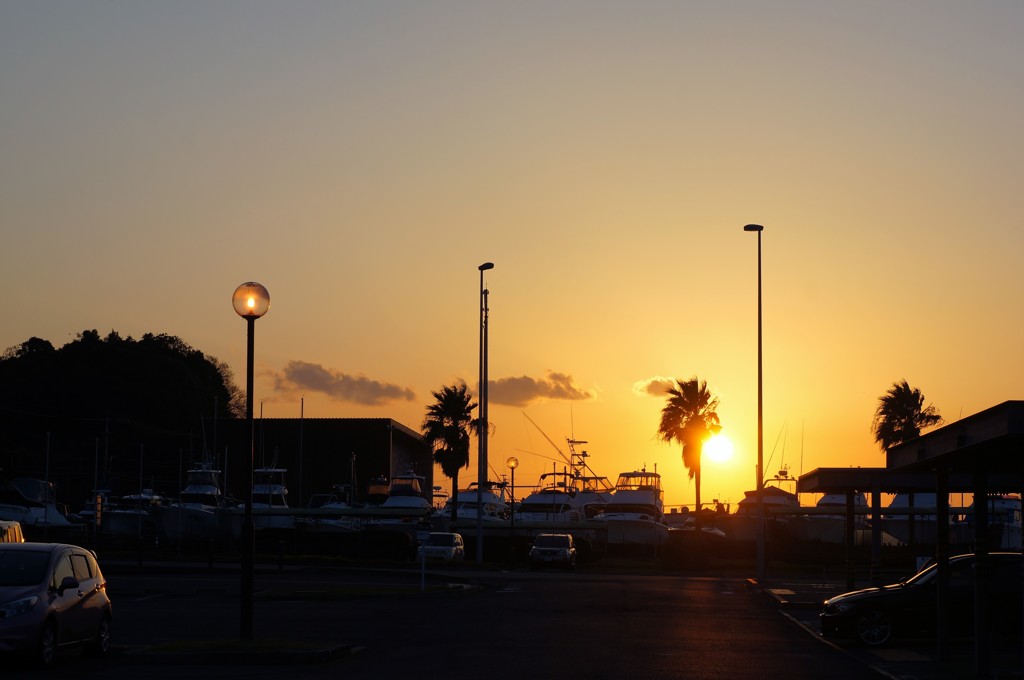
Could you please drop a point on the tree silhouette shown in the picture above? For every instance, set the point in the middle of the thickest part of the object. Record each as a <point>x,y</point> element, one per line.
<point>159,379</point>
<point>690,418</point>
<point>157,391</point>
<point>446,430</point>
<point>901,415</point>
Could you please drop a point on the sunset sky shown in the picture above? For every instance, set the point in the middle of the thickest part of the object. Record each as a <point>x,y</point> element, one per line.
<point>361,159</point>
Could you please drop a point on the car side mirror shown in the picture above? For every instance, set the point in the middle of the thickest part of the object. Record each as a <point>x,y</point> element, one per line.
<point>69,583</point>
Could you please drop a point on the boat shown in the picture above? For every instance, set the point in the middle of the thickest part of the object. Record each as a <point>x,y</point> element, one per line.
<point>554,500</point>
<point>32,503</point>
<point>634,514</point>
<point>270,499</point>
<point>198,514</point>
<point>473,502</point>
<point>830,526</point>
<point>593,491</point>
<point>1004,521</point>
<point>329,512</point>
<point>781,511</point>
<point>377,491</point>
<point>572,494</point>
<point>405,507</point>
<point>124,516</point>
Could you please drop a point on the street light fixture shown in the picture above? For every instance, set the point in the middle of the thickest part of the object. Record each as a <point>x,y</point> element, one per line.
<point>251,301</point>
<point>481,478</point>
<point>512,462</point>
<point>760,417</point>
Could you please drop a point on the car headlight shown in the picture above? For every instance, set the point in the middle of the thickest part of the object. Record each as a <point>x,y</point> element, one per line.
<point>12,609</point>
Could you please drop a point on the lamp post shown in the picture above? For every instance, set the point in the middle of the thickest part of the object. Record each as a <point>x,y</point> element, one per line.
<point>251,301</point>
<point>482,428</point>
<point>512,462</point>
<point>760,417</point>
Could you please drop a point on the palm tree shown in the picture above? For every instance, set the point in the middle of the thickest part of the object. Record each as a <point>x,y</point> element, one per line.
<point>446,429</point>
<point>690,418</point>
<point>901,415</point>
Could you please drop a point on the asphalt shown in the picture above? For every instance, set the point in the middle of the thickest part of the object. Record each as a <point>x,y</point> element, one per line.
<point>800,597</point>
<point>797,595</point>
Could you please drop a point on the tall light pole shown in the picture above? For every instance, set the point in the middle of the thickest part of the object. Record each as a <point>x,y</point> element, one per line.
<point>251,301</point>
<point>760,417</point>
<point>481,475</point>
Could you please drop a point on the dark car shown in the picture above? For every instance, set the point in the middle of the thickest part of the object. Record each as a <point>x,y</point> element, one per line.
<point>553,549</point>
<point>52,596</point>
<point>875,615</point>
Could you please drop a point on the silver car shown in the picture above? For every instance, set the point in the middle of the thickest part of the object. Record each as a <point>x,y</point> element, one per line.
<point>52,596</point>
<point>443,547</point>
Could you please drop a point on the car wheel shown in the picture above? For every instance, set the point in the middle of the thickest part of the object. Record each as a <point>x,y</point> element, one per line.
<point>874,628</point>
<point>46,651</point>
<point>100,645</point>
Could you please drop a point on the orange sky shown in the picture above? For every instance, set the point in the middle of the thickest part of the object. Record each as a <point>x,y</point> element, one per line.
<point>361,160</point>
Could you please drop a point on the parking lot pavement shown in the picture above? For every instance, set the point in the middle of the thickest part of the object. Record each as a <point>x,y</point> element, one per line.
<point>800,597</point>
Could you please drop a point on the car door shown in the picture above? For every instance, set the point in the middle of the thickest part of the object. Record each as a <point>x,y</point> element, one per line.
<point>66,603</point>
<point>91,603</point>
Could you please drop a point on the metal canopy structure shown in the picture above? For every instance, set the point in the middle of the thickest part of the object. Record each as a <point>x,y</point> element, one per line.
<point>987,446</point>
<point>981,454</point>
<point>990,443</point>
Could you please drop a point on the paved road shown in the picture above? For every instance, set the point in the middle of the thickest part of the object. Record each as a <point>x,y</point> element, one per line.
<point>508,625</point>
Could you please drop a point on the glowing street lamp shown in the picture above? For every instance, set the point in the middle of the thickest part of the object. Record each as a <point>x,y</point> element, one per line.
<point>251,301</point>
<point>760,417</point>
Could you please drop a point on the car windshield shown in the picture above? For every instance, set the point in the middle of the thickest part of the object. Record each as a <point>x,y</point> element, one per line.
<point>551,542</point>
<point>445,540</point>
<point>23,567</point>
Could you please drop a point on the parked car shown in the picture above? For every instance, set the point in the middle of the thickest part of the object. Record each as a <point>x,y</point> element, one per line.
<point>554,549</point>
<point>52,596</point>
<point>875,615</point>
<point>443,547</point>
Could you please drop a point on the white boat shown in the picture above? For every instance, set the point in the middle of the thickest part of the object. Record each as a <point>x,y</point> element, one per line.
<point>32,503</point>
<point>198,512</point>
<point>270,499</point>
<point>127,516</point>
<point>1004,521</point>
<point>829,521</point>
<point>781,508</point>
<point>408,484</point>
<point>634,515</point>
<point>554,500</point>
<point>912,510</point>
<point>406,505</point>
<point>830,527</point>
<point>333,512</point>
<point>473,502</point>
<point>570,495</point>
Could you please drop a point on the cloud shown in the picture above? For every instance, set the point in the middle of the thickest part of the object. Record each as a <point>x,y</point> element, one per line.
<point>523,390</point>
<point>358,389</point>
<point>653,387</point>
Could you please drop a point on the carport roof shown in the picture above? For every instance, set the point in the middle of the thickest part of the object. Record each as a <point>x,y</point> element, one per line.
<point>989,442</point>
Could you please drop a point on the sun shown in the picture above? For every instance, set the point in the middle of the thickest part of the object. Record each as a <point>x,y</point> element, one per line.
<point>718,448</point>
